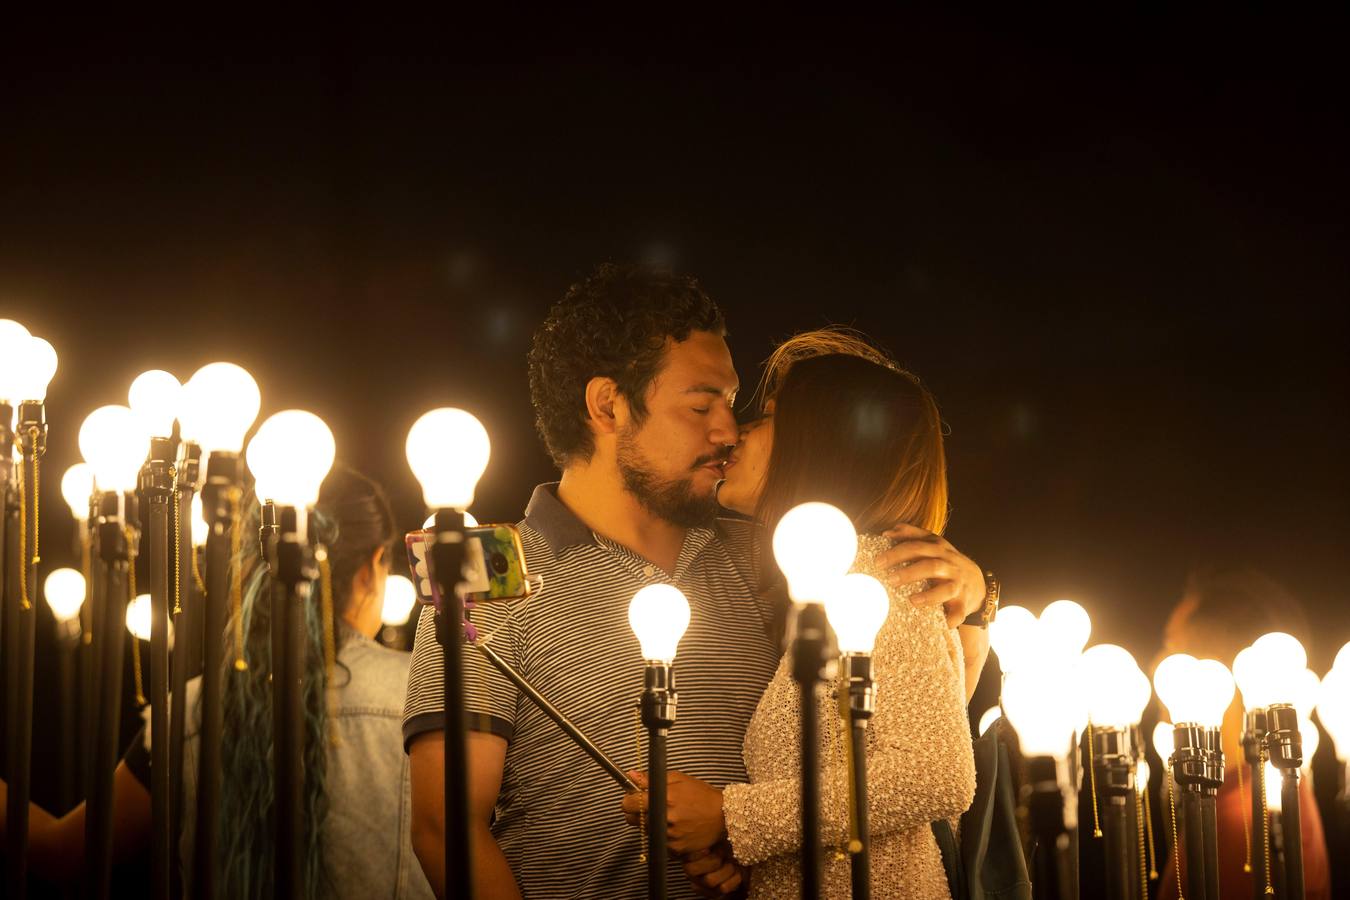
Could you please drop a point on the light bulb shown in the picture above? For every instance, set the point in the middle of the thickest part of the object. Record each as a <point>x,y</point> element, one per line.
<point>1274,798</point>
<point>1035,702</point>
<point>469,521</point>
<point>64,589</point>
<point>1306,689</point>
<point>1312,739</point>
<point>399,598</point>
<point>155,397</point>
<point>218,406</point>
<point>659,615</point>
<point>1250,678</point>
<point>1064,628</point>
<point>1271,671</point>
<point>13,347</point>
<point>1172,682</point>
<point>77,487</point>
<point>200,528</point>
<point>1164,740</point>
<point>32,370</point>
<point>1195,691</point>
<point>989,717</point>
<point>1142,773</point>
<point>1213,691</point>
<point>1116,690</point>
<point>115,446</point>
<point>1342,660</point>
<point>1333,709</point>
<point>1012,635</point>
<point>813,543</point>
<point>290,457</point>
<point>138,617</point>
<point>857,606</point>
<point>447,450</point>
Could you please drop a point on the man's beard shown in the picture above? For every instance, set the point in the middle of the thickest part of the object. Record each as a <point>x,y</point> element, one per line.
<point>671,499</point>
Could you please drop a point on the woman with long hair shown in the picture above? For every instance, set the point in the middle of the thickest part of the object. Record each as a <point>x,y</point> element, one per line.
<point>356,795</point>
<point>844,424</point>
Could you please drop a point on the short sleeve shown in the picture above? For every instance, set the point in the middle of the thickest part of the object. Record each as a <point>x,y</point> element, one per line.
<point>490,698</point>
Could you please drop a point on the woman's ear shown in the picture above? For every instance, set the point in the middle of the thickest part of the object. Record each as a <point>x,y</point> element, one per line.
<point>363,582</point>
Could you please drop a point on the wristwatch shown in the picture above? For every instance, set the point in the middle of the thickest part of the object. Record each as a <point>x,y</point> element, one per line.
<point>981,617</point>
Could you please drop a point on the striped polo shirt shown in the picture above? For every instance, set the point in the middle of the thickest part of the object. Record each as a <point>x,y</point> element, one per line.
<point>558,819</point>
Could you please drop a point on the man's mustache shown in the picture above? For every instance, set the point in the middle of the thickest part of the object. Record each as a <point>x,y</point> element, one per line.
<point>720,456</point>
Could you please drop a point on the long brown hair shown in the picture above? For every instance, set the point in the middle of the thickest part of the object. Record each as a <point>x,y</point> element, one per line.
<point>852,428</point>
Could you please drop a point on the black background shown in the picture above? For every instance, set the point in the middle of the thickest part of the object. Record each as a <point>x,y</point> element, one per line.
<point>1114,247</point>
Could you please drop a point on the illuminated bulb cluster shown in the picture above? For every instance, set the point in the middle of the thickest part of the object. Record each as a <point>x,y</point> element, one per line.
<point>1115,687</point>
<point>1333,705</point>
<point>814,545</point>
<point>1040,658</point>
<point>1195,691</point>
<point>1274,669</point>
<point>27,364</point>
<point>289,457</point>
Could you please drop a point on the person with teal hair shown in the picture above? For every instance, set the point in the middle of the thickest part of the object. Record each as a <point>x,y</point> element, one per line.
<point>357,805</point>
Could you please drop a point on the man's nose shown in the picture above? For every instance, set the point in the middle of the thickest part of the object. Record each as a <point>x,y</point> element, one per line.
<point>723,428</point>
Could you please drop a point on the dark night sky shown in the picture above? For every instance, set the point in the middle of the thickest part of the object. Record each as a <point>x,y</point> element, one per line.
<point>1115,250</point>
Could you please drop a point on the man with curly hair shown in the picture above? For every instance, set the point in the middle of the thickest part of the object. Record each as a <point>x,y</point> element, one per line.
<point>633,389</point>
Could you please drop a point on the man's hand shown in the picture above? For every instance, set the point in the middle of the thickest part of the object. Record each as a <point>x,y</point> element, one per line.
<point>715,873</point>
<point>693,811</point>
<point>957,583</point>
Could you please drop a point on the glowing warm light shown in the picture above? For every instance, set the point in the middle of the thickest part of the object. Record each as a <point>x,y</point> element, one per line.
<point>115,446</point>
<point>290,456</point>
<point>1272,670</point>
<point>1333,709</point>
<point>1036,703</point>
<point>1282,650</point>
<point>77,487</point>
<point>469,521</point>
<point>1274,800</point>
<point>1142,773</point>
<point>989,717</point>
<point>1164,740</point>
<point>399,598</point>
<point>813,544</point>
<point>1116,691</point>
<point>659,615</point>
<point>200,529</point>
<point>1012,635</point>
<point>1342,660</point>
<point>155,397</point>
<point>32,370</point>
<point>64,589</point>
<point>1064,628</point>
<point>857,606</point>
<point>138,617</point>
<point>447,450</point>
<point>218,406</point>
<point>1195,691</point>
<point>13,347</point>
<point>1312,739</point>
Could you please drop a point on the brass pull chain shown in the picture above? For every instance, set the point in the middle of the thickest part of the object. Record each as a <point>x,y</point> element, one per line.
<point>135,641</point>
<point>1092,773</point>
<point>1246,826</point>
<point>177,546</point>
<point>1176,839</point>
<point>1265,817</point>
<point>853,843</point>
<point>1143,856</point>
<point>642,814</point>
<point>1152,850</point>
<point>86,566</point>
<point>197,574</point>
<point>237,582</point>
<point>24,602</point>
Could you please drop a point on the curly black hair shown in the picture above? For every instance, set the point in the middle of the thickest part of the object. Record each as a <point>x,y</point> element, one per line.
<point>612,324</point>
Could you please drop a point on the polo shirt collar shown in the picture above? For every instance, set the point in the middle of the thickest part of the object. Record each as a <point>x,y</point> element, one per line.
<point>558,525</point>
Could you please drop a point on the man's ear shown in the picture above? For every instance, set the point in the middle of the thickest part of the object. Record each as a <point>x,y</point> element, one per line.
<point>602,398</point>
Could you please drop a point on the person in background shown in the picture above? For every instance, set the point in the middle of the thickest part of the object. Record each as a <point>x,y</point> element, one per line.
<point>357,842</point>
<point>844,424</point>
<point>1222,611</point>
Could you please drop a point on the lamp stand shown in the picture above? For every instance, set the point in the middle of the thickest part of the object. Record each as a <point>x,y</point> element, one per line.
<point>1197,766</point>
<point>447,556</point>
<point>658,717</point>
<point>223,477</point>
<point>117,539</point>
<point>858,704</point>
<point>293,576</point>
<point>157,491</point>
<point>1051,805</point>
<point>1254,752</point>
<point>1113,760</point>
<point>187,643</point>
<point>808,670</point>
<point>1286,753</point>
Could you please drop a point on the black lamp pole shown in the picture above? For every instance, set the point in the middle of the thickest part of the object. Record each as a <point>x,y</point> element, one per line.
<point>187,641</point>
<point>157,489</point>
<point>1254,752</point>
<point>117,539</point>
<point>294,574</point>
<point>659,703</point>
<point>808,670</point>
<point>1286,753</point>
<point>1197,766</point>
<point>447,558</point>
<point>1113,759</point>
<point>860,702</point>
<point>219,497</point>
<point>1051,801</point>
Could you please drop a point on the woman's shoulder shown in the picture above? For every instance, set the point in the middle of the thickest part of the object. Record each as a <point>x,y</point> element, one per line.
<point>870,549</point>
<point>370,675</point>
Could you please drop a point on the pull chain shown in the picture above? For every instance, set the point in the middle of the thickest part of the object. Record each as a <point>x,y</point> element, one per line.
<point>86,563</point>
<point>1143,856</point>
<point>236,582</point>
<point>642,814</point>
<point>177,547</point>
<point>135,641</point>
<point>1092,773</point>
<point>1176,839</point>
<point>1265,817</point>
<point>1246,826</point>
<point>1152,850</point>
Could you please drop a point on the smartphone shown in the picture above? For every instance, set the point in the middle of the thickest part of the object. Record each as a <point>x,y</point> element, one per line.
<point>494,565</point>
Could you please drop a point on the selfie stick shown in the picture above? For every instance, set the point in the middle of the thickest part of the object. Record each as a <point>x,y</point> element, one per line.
<point>558,718</point>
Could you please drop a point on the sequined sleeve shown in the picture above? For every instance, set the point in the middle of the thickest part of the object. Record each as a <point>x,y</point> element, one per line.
<point>919,762</point>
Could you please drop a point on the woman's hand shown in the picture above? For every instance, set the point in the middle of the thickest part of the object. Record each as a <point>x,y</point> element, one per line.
<point>693,811</point>
<point>715,873</point>
<point>957,582</point>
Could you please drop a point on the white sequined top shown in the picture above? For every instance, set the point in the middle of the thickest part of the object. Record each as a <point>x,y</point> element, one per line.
<point>919,763</point>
